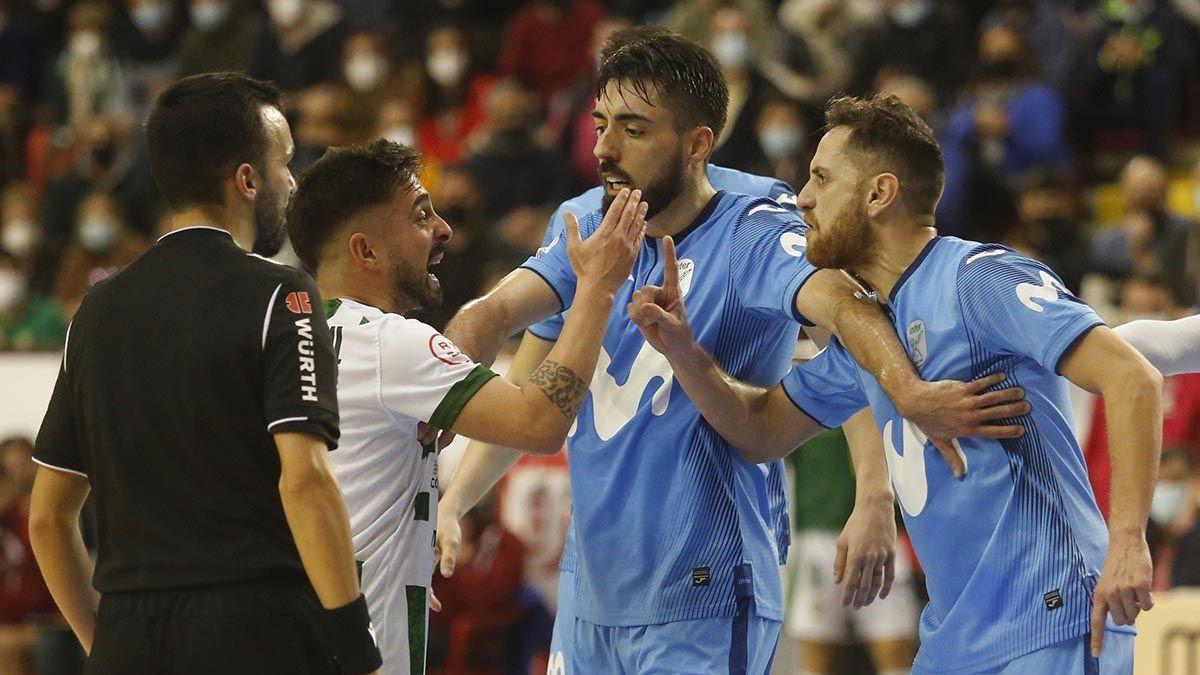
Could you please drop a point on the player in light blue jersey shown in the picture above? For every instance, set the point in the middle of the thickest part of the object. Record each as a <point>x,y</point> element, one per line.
<point>1021,571</point>
<point>676,548</point>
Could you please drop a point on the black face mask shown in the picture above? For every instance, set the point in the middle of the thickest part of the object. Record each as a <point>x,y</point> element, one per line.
<point>103,156</point>
<point>1000,70</point>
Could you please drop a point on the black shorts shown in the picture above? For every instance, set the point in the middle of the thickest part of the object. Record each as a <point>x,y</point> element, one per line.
<point>227,630</point>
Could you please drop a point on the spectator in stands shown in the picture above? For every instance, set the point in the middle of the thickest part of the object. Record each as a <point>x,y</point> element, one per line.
<point>221,38</point>
<point>103,244</point>
<point>20,232</point>
<point>146,37</point>
<point>396,121</point>
<point>730,44</point>
<point>1055,26</point>
<point>1147,297</point>
<point>928,38</point>
<point>103,160</point>
<point>1048,226</point>
<point>25,602</point>
<point>87,79</point>
<point>301,45</point>
<point>543,44</point>
<point>782,133</point>
<point>28,320</point>
<point>1130,70</point>
<point>369,78</point>
<point>1149,239</point>
<point>1175,515</point>
<point>695,19</point>
<point>832,34</point>
<point>521,182</point>
<point>18,83</point>
<point>1008,122</point>
<point>915,92</point>
<point>454,95</point>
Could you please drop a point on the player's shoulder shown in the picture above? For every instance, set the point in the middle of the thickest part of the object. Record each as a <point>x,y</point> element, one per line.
<point>732,180</point>
<point>976,259</point>
<point>416,339</point>
<point>264,273</point>
<point>763,214</point>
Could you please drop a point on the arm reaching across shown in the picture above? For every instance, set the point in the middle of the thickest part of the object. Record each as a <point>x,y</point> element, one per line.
<point>1173,347</point>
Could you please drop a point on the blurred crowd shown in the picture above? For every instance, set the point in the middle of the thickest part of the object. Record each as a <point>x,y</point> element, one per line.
<point>1070,128</point>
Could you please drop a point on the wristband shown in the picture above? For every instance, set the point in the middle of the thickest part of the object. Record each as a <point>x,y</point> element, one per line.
<point>351,638</point>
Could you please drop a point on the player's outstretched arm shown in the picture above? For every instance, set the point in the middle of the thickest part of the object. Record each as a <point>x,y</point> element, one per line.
<point>1106,365</point>
<point>58,546</point>
<point>483,464</point>
<point>943,410</point>
<point>316,514</point>
<point>866,550</point>
<point>1173,347</point>
<point>538,415</point>
<point>761,423</point>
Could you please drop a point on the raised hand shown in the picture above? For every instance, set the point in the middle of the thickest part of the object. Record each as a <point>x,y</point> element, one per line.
<point>607,256</point>
<point>659,312</point>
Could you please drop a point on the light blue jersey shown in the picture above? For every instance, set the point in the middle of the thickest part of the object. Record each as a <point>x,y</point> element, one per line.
<point>1012,552</point>
<point>664,509</point>
<point>729,180</point>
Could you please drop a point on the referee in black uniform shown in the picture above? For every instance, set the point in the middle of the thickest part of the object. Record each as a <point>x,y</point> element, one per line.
<point>197,399</point>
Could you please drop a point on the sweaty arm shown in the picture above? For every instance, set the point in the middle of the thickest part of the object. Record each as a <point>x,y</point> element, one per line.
<point>481,326</point>
<point>1173,347</point>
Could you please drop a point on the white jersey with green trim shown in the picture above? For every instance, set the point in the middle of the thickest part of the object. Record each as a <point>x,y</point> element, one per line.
<point>394,373</point>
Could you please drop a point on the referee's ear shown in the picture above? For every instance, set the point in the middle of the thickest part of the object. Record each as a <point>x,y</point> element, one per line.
<point>245,181</point>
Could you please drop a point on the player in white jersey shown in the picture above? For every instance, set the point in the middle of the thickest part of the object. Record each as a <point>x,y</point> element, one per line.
<point>1173,347</point>
<point>362,222</point>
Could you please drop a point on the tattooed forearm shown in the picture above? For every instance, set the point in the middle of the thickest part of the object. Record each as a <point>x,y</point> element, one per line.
<point>561,385</point>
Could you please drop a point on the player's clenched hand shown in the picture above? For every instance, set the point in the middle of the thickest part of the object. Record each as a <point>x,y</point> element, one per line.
<point>866,554</point>
<point>449,537</point>
<point>658,311</point>
<point>1124,587</point>
<point>607,256</point>
<point>948,409</point>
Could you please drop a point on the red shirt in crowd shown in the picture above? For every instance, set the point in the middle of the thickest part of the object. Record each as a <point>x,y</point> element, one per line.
<point>23,592</point>
<point>547,49</point>
<point>1181,429</point>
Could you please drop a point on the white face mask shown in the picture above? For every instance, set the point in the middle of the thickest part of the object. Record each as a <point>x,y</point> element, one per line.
<point>446,66</point>
<point>780,141</point>
<point>97,235</point>
<point>209,15</point>
<point>731,50</point>
<point>400,134</point>
<point>911,12</point>
<point>1167,502</point>
<point>85,44</point>
<point>12,289</point>
<point>19,237</point>
<point>365,72</point>
<point>152,17</point>
<point>285,12</point>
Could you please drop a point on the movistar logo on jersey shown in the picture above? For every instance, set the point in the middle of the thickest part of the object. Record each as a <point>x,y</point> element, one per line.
<point>906,465</point>
<point>615,405</point>
<point>1046,292</point>
<point>308,367</point>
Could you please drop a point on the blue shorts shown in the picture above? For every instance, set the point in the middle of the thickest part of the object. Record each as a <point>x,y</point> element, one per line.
<point>743,644</point>
<point>1074,657</point>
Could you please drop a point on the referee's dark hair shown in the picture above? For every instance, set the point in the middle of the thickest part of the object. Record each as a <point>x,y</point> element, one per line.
<point>685,76</point>
<point>346,181</point>
<point>201,129</point>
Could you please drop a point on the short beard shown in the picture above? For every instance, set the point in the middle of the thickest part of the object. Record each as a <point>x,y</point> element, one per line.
<point>413,286</point>
<point>269,232</point>
<point>844,243</point>
<point>658,194</point>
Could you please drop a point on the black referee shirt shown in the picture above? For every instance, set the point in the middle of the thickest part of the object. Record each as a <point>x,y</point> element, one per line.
<point>176,372</point>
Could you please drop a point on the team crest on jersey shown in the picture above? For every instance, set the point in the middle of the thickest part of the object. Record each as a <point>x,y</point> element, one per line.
<point>687,269</point>
<point>446,351</point>
<point>298,302</point>
<point>917,346</point>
